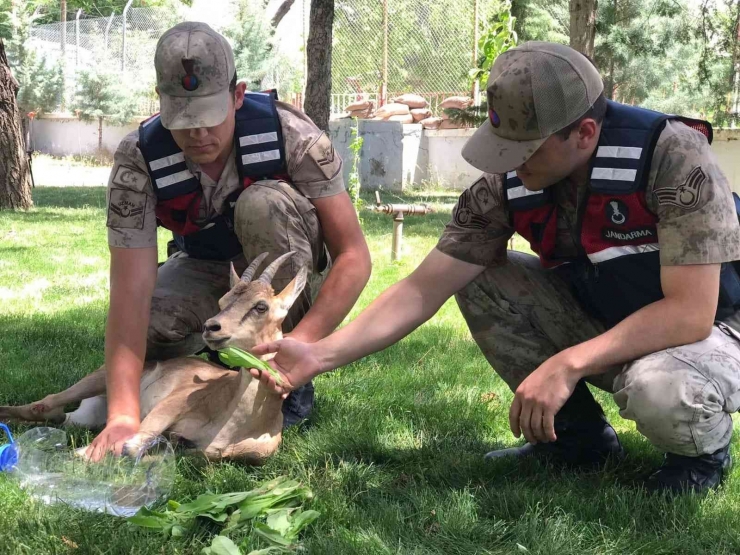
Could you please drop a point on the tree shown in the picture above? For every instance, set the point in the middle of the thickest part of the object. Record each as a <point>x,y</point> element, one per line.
<point>15,184</point>
<point>100,97</point>
<point>319,49</point>
<point>546,20</point>
<point>583,26</point>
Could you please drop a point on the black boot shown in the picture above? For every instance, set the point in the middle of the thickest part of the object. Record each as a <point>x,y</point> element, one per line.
<point>680,474</point>
<point>585,437</point>
<point>298,405</point>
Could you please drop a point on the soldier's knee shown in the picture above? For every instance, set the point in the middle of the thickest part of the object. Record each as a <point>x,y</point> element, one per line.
<point>171,332</point>
<point>673,405</point>
<point>262,204</point>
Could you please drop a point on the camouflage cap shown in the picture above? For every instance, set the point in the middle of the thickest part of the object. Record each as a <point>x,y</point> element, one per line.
<point>195,66</point>
<point>533,91</point>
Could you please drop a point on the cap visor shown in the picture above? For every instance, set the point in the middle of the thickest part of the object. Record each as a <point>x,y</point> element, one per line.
<point>493,154</point>
<point>179,112</point>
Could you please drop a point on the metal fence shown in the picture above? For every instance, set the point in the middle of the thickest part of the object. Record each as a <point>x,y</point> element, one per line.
<point>382,48</point>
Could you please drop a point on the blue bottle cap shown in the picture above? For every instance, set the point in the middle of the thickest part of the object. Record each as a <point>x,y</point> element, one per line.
<point>8,452</point>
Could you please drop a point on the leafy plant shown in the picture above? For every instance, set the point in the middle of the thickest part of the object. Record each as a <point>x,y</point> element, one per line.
<point>101,97</point>
<point>273,510</point>
<point>473,116</point>
<point>497,37</point>
<point>234,357</point>
<point>354,186</point>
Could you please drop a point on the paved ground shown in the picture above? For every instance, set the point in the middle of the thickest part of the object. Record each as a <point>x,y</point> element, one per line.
<point>56,172</point>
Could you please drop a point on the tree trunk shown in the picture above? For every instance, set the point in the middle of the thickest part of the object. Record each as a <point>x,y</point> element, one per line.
<point>583,26</point>
<point>15,182</point>
<point>100,134</point>
<point>318,48</point>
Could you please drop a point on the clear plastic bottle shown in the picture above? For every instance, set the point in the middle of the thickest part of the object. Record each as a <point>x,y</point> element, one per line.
<point>51,471</point>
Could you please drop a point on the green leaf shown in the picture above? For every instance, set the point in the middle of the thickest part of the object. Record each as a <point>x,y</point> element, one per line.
<point>178,531</point>
<point>301,521</point>
<point>221,545</point>
<point>147,522</point>
<point>280,520</point>
<point>235,357</point>
<point>173,505</point>
<point>267,551</point>
<point>272,536</point>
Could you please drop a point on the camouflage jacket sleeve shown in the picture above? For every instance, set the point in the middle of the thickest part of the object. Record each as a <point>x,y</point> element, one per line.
<point>131,201</point>
<point>313,165</point>
<point>687,190</point>
<point>480,228</point>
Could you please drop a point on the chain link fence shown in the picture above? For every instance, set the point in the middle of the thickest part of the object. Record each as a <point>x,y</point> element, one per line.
<point>403,46</point>
<point>394,45</point>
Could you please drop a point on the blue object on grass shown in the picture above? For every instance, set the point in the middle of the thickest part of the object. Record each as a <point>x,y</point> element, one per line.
<point>8,451</point>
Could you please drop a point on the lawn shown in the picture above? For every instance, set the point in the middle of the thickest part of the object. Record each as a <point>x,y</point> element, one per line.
<point>394,447</point>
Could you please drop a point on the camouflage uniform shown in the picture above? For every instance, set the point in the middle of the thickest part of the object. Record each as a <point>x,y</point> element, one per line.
<point>520,314</point>
<point>270,216</point>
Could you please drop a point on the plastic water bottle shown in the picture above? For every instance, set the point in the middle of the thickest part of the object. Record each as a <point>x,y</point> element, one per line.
<point>50,470</point>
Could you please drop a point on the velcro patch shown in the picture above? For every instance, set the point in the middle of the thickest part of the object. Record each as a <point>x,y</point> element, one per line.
<point>126,209</point>
<point>687,195</point>
<point>130,178</point>
<point>324,157</point>
<point>465,215</point>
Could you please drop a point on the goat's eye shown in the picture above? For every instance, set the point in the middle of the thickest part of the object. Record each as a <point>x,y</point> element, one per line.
<point>261,307</point>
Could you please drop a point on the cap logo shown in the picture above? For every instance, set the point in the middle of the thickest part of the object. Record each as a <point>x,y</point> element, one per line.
<point>493,116</point>
<point>189,82</point>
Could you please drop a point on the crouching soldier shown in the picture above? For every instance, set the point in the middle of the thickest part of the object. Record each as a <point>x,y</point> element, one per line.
<point>232,175</point>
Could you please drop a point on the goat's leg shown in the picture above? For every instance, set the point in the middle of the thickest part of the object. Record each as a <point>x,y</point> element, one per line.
<point>162,416</point>
<point>51,407</point>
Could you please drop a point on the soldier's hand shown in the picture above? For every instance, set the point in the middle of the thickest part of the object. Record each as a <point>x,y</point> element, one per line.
<point>539,398</point>
<point>296,362</point>
<point>116,432</point>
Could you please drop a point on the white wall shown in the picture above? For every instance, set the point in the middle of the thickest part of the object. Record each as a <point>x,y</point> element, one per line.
<point>62,135</point>
<point>393,155</point>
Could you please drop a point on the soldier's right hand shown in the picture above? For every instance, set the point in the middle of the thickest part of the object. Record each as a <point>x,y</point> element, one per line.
<point>116,432</point>
<point>297,363</point>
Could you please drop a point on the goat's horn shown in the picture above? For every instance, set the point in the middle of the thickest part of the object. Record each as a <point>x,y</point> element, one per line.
<point>249,272</point>
<point>272,269</point>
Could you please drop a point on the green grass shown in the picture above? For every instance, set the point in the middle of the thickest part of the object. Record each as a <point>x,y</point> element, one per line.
<point>394,448</point>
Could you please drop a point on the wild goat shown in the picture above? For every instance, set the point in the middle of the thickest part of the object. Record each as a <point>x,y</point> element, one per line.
<point>224,414</point>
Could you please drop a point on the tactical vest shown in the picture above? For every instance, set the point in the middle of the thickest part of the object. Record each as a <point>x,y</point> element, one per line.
<point>260,154</point>
<point>617,271</point>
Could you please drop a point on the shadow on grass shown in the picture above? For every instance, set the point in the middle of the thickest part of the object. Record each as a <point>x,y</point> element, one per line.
<point>46,353</point>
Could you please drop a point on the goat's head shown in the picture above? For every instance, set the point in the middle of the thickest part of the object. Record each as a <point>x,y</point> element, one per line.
<point>251,312</point>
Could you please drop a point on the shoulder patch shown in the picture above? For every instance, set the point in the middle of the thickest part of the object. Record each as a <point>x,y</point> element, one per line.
<point>126,209</point>
<point>130,178</point>
<point>466,214</point>
<point>324,157</point>
<point>687,195</point>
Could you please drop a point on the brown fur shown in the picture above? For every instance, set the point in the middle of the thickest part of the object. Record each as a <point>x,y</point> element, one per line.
<point>224,414</point>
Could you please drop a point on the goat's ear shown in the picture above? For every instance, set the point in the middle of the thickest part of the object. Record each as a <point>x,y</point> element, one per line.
<point>233,276</point>
<point>288,295</point>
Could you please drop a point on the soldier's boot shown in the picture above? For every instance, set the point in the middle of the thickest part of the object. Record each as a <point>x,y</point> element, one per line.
<point>681,474</point>
<point>585,437</point>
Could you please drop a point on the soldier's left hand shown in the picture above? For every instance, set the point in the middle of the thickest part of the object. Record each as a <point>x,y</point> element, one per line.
<point>539,398</point>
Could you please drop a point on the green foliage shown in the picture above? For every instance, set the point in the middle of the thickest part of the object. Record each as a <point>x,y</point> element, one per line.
<point>497,37</point>
<point>234,357</point>
<point>49,9</point>
<point>542,20</point>
<point>473,116</point>
<point>41,84</point>
<point>100,96</point>
<point>354,186</point>
<point>6,26</point>
<point>273,509</point>
<point>257,60</point>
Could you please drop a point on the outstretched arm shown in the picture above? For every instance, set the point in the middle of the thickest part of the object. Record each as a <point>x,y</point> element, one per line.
<point>393,315</point>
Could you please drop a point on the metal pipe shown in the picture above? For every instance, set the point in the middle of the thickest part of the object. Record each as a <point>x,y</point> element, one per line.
<point>107,29</point>
<point>123,55</point>
<point>77,38</point>
<point>397,245</point>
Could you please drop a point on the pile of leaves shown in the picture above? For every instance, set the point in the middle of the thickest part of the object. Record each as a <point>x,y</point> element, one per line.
<point>273,511</point>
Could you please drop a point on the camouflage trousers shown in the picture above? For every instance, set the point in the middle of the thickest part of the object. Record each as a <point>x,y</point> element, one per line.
<point>270,216</point>
<point>681,398</point>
